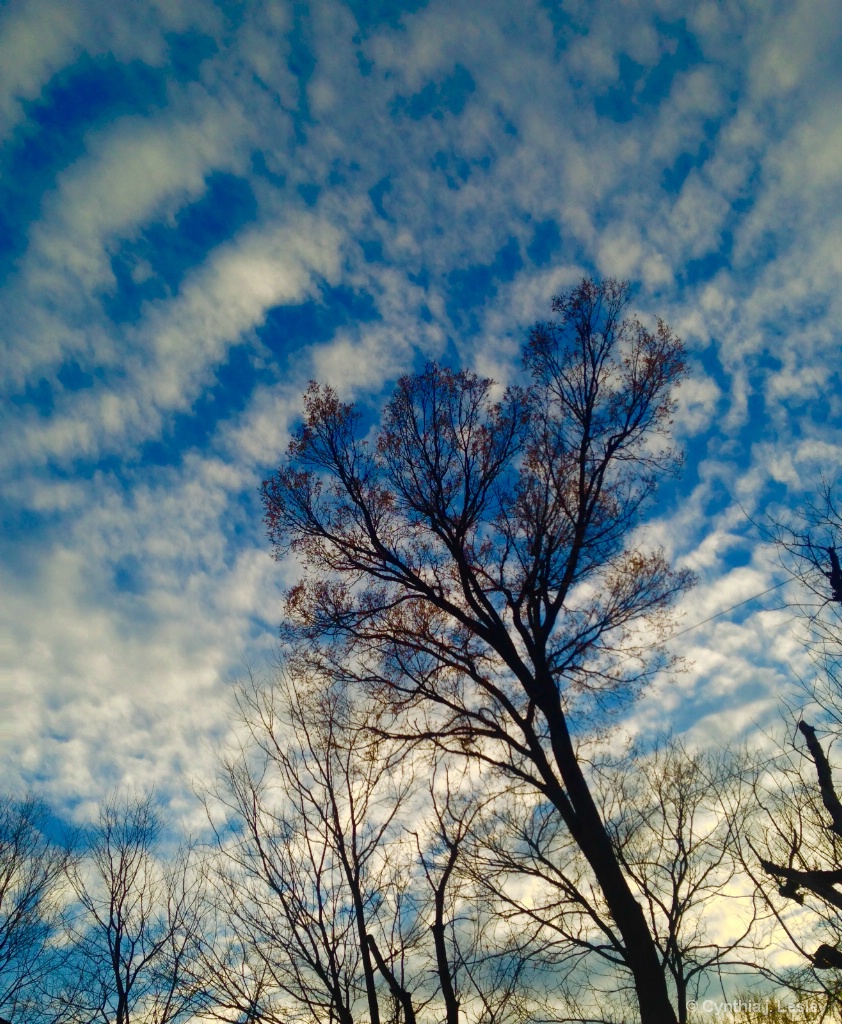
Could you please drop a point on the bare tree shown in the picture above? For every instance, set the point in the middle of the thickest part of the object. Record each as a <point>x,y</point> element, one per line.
<point>482,972</point>
<point>676,818</point>
<point>533,877</point>
<point>135,924</point>
<point>808,543</point>
<point>341,875</point>
<point>673,818</point>
<point>32,870</point>
<point>311,816</point>
<point>472,564</point>
<point>795,855</point>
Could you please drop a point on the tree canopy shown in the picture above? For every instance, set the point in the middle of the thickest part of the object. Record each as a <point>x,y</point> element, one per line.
<point>473,563</point>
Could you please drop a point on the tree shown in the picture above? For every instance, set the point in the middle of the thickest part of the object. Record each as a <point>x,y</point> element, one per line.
<point>296,871</point>
<point>473,566</point>
<point>795,856</point>
<point>32,870</point>
<point>135,925</point>
<point>676,817</point>
<point>673,818</point>
<point>340,876</point>
<point>808,543</point>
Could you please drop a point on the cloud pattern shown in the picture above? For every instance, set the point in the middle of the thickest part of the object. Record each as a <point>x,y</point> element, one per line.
<point>203,205</point>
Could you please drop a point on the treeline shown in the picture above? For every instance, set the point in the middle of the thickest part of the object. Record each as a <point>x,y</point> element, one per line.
<point>353,876</point>
<point>431,817</point>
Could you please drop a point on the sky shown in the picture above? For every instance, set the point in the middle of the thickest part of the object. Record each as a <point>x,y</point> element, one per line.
<point>203,205</point>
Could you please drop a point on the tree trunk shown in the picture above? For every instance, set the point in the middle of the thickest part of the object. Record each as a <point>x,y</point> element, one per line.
<point>451,1003</point>
<point>399,993</point>
<point>587,828</point>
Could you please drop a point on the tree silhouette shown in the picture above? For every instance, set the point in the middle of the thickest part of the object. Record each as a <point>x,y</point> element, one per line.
<point>472,565</point>
<point>135,925</point>
<point>339,877</point>
<point>799,846</point>
<point>32,870</point>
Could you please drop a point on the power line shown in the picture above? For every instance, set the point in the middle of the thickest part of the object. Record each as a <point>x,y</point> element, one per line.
<point>725,611</point>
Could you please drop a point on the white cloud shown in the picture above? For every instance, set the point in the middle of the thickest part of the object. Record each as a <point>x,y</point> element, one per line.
<point>100,662</point>
<point>38,38</point>
<point>174,352</point>
<point>129,686</point>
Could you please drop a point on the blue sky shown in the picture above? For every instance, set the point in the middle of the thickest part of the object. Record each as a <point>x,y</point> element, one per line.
<point>203,205</point>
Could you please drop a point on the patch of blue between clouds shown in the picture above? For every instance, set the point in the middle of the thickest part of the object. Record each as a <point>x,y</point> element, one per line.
<point>470,288</point>
<point>234,381</point>
<point>672,178</point>
<point>375,14</point>
<point>286,332</point>
<point>92,93</point>
<point>706,267</point>
<point>456,169</point>
<point>372,249</point>
<point>639,86</point>
<point>21,544</point>
<point>448,96</point>
<point>128,575</point>
<point>260,167</point>
<point>377,194</point>
<point>564,24</point>
<point>153,265</point>
<point>545,244</point>
<point>73,377</point>
<point>40,396</point>
<point>301,63</point>
<point>309,192</point>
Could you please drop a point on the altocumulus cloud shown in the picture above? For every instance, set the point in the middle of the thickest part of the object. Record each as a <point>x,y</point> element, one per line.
<point>205,204</point>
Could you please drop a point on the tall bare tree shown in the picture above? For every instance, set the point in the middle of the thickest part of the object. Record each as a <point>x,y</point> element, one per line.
<point>673,817</point>
<point>795,855</point>
<point>32,872</point>
<point>473,565</point>
<point>340,875</point>
<point>135,923</point>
